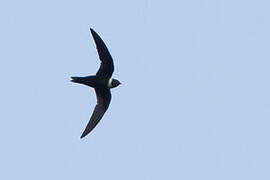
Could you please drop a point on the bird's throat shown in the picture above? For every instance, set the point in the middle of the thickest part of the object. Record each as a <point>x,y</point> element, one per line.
<point>110,83</point>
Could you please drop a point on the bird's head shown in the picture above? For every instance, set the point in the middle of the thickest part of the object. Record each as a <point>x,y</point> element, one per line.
<point>114,83</point>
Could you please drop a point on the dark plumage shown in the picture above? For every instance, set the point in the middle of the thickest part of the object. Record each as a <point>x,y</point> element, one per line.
<point>102,82</point>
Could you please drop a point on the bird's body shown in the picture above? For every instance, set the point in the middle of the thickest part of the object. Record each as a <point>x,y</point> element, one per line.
<point>102,82</point>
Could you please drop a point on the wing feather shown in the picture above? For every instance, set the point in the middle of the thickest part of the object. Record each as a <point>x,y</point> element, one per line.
<point>106,68</point>
<point>103,101</point>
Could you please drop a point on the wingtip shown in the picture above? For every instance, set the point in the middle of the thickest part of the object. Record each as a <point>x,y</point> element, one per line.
<point>83,135</point>
<point>85,132</point>
<point>92,30</point>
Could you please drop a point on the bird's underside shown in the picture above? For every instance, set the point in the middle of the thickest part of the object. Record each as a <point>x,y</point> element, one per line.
<point>100,82</point>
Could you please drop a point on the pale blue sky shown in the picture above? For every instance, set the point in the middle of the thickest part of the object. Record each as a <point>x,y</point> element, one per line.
<point>194,102</point>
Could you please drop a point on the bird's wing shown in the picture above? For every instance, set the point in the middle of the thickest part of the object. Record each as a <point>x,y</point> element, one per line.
<point>106,68</point>
<point>103,101</point>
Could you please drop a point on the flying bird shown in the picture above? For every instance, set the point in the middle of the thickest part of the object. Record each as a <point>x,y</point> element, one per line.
<point>102,82</point>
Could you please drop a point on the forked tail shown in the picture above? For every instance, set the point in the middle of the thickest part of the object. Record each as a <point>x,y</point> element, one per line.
<point>77,79</point>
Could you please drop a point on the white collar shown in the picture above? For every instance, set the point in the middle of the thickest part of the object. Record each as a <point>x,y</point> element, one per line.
<point>110,83</point>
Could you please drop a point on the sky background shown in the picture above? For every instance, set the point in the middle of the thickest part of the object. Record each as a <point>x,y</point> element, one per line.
<point>194,101</point>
